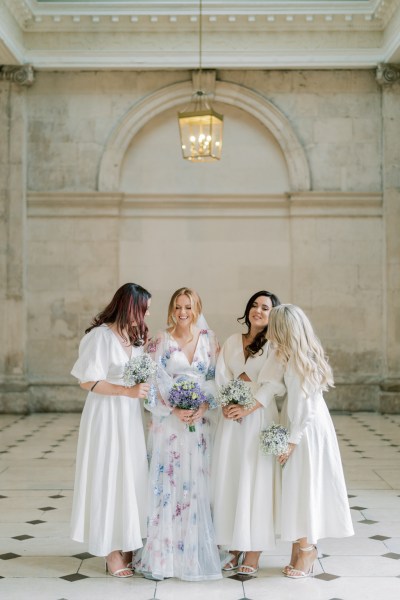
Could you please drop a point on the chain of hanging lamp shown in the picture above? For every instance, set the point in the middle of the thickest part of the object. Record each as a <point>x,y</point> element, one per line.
<point>200,126</point>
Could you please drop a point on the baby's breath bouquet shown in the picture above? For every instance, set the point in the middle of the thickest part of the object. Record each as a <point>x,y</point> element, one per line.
<point>274,440</point>
<point>236,392</point>
<point>188,395</point>
<point>140,369</point>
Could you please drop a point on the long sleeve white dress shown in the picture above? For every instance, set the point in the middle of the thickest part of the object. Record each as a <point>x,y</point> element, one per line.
<point>314,497</point>
<point>245,497</point>
<point>109,505</point>
<point>181,540</point>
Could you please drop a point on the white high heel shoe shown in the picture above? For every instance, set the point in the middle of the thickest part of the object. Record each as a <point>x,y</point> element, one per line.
<point>296,573</point>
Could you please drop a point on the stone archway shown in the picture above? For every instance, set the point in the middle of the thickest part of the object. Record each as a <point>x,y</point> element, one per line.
<point>227,93</point>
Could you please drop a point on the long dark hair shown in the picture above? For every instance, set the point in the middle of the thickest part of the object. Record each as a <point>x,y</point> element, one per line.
<point>259,341</point>
<point>129,304</point>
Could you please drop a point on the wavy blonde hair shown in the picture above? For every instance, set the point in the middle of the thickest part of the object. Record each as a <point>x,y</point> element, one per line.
<point>195,303</point>
<point>291,332</point>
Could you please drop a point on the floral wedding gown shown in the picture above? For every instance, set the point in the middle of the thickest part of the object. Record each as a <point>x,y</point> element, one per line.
<point>181,540</point>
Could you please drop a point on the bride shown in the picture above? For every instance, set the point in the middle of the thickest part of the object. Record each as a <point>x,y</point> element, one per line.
<point>181,541</point>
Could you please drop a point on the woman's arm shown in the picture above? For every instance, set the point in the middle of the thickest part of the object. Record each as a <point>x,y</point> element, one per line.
<point>105,388</point>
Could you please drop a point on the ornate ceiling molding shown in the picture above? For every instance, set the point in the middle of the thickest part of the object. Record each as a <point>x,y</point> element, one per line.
<point>163,34</point>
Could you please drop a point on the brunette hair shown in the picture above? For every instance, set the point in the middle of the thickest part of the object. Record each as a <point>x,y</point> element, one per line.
<point>129,304</point>
<point>195,302</point>
<point>291,332</point>
<point>261,338</point>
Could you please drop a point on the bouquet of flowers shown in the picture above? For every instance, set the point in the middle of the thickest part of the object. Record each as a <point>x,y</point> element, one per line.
<point>140,369</point>
<point>236,392</point>
<point>188,395</point>
<point>274,440</point>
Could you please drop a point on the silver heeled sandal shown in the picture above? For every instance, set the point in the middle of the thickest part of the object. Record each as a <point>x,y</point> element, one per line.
<point>296,573</point>
<point>290,567</point>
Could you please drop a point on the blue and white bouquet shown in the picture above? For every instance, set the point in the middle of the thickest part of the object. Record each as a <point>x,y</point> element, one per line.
<point>141,369</point>
<point>236,392</point>
<point>274,440</point>
<point>186,394</point>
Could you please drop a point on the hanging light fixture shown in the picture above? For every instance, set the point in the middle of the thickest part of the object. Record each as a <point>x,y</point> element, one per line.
<point>199,125</point>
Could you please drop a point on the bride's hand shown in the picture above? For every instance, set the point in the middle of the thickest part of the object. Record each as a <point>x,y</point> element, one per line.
<point>198,414</point>
<point>183,414</point>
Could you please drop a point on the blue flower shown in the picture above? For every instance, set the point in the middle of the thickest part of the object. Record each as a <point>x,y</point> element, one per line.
<point>201,367</point>
<point>210,373</point>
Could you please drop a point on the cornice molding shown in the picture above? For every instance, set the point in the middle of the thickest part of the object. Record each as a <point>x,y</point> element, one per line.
<point>61,35</point>
<point>118,205</point>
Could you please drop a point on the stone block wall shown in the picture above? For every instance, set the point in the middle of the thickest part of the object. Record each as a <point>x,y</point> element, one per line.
<point>332,248</point>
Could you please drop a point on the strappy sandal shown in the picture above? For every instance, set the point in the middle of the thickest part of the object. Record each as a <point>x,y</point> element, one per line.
<point>290,567</point>
<point>296,573</point>
<point>117,572</point>
<point>230,566</point>
<point>252,571</point>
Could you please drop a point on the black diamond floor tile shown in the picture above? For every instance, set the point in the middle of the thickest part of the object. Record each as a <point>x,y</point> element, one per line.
<point>22,537</point>
<point>368,522</point>
<point>326,576</point>
<point>3,497</point>
<point>380,538</point>
<point>358,507</point>
<point>57,496</point>
<point>391,555</point>
<point>74,577</point>
<point>83,555</point>
<point>35,522</point>
<point>351,496</point>
<point>47,508</point>
<point>239,577</point>
<point>9,556</point>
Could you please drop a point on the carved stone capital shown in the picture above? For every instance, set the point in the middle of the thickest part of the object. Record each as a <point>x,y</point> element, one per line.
<point>387,74</point>
<point>24,75</point>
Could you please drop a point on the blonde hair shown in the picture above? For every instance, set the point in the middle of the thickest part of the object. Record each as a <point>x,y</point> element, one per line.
<point>195,303</point>
<point>291,332</point>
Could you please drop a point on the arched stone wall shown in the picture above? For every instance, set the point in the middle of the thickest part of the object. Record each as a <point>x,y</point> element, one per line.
<point>176,95</point>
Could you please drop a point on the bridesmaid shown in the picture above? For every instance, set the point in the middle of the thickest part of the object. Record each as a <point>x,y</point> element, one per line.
<point>181,541</point>
<point>109,504</point>
<point>243,479</point>
<point>314,497</point>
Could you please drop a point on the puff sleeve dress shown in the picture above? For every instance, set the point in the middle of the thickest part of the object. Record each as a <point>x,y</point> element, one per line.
<point>314,496</point>
<point>109,503</point>
<point>245,497</point>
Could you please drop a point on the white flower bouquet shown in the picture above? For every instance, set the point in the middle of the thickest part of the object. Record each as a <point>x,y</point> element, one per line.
<point>141,369</point>
<point>236,391</point>
<point>274,440</point>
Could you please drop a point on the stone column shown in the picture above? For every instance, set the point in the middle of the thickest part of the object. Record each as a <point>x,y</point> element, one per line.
<point>14,391</point>
<point>389,77</point>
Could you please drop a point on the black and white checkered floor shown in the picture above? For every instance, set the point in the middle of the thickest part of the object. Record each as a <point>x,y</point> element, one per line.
<point>39,561</point>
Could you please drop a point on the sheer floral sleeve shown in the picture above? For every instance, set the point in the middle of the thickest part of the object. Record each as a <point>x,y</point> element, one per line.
<point>156,350</point>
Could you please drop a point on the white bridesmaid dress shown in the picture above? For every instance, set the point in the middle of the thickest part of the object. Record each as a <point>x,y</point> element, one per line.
<point>109,504</point>
<point>314,497</point>
<point>245,495</point>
